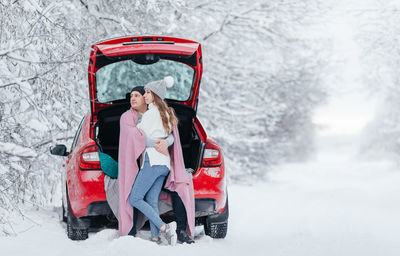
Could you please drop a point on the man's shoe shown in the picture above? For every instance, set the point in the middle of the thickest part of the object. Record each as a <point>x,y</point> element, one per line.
<point>183,237</point>
<point>156,240</point>
<point>170,233</point>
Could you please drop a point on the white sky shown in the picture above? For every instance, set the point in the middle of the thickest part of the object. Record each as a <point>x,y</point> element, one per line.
<point>350,105</point>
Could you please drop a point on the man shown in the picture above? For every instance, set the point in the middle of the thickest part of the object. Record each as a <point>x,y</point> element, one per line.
<point>137,103</point>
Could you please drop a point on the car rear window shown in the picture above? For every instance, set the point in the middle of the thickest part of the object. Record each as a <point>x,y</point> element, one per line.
<point>117,79</point>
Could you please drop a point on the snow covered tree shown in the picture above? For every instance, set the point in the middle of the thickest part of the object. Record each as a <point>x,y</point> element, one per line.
<point>381,53</point>
<point>44,48</point>
<point>261,79</point>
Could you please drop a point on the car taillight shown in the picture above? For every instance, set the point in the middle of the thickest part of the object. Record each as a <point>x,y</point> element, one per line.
<point>89,158</point>
<point>212,155</point>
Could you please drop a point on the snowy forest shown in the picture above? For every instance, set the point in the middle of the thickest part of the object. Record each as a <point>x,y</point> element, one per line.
<point>263,101</point>
<point>266,66</point>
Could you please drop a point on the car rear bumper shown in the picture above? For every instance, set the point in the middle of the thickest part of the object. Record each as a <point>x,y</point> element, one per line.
<point>203,207</point>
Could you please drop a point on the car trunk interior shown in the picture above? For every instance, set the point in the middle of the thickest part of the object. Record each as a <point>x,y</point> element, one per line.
<point>107,131</point>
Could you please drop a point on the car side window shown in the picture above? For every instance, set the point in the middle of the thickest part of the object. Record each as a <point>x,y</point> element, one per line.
<point>77,134</point>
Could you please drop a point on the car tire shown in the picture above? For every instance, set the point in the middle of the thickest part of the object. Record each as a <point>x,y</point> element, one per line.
<point>216,226</point>
<point>75,233</point>
<point>216,230</point>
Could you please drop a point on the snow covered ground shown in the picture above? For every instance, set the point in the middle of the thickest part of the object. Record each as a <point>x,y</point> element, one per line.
<point>335,204</point>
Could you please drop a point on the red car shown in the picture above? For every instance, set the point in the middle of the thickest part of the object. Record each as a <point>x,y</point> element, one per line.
<point>115,67</point>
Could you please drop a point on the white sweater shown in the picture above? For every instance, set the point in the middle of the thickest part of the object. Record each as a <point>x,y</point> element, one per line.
<point>152,126</point>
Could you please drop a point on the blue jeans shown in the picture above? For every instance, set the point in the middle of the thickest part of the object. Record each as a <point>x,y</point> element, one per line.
<point>146,191</point>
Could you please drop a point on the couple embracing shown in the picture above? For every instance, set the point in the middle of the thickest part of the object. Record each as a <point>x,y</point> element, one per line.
<point>148,131</point>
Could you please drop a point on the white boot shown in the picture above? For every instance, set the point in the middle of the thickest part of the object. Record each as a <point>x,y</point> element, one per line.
<point>170,233</point>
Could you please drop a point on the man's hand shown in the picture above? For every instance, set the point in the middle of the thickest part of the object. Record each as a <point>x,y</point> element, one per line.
<point>162,147</point>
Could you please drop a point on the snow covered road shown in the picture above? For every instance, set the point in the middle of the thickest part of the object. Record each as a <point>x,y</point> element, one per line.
<point>336,204</point>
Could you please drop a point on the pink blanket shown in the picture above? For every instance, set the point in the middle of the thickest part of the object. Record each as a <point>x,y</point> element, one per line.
<point>131,146</point>
<point>179,181</point>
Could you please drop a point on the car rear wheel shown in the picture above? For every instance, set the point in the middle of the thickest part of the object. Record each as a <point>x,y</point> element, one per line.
<point>216,226</point>
<point>77,234</point>
<point>216,230</point>
<point>73,232</point>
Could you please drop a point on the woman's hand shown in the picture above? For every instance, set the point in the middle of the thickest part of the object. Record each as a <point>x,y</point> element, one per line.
<point>162,147</point>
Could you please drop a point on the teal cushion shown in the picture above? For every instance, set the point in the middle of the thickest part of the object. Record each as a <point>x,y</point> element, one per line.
<point>108,165</point>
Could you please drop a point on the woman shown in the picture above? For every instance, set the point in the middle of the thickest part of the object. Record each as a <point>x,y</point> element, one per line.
<point>157,123</point>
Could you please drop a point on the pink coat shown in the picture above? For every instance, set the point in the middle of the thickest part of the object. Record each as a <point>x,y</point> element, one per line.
<point>131,146</point>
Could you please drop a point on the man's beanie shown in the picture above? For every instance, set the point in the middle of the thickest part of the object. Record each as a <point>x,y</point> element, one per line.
<point>139,89</point>
<point>160,87</point>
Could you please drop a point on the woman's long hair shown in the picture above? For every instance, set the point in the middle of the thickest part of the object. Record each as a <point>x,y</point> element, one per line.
<point>164,109</point>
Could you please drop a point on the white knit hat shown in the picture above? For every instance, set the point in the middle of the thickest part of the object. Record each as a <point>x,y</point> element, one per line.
<point>160,87</point>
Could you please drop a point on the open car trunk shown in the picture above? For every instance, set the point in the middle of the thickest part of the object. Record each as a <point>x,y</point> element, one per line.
<point>107,132</point>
